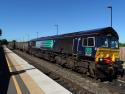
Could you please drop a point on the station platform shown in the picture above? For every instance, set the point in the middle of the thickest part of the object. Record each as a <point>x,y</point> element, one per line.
<point>26,79</point>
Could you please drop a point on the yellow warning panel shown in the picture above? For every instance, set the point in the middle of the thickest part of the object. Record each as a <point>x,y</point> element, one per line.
<point>107,52</point>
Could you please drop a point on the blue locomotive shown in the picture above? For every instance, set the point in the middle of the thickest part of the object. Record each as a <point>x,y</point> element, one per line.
<point>92,52</point>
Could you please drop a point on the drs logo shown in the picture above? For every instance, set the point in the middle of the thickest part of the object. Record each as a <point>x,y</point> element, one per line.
<point>88,51</point>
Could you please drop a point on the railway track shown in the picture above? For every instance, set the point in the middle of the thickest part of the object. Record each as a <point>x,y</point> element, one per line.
<point>75,82</point>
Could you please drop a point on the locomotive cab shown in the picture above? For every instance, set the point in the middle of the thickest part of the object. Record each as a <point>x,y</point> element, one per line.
<point>107,56</point>
<point>108,48</point>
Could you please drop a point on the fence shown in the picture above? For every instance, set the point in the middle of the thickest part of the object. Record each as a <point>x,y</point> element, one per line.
<point>122,53</point>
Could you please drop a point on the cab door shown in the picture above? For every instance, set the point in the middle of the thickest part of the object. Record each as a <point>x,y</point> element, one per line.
<point>75,45</point>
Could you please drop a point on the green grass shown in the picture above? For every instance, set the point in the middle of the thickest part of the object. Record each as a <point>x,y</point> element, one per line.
<point>122,44</point>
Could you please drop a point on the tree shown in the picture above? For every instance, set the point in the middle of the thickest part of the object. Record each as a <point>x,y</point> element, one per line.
<point>4,42</point>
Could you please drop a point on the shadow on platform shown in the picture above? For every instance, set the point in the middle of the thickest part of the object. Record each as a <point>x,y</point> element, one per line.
<point>4,73</point>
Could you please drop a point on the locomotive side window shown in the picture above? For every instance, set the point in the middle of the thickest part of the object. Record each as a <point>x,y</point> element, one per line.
<point>84,42</point>
<point>88,41</point>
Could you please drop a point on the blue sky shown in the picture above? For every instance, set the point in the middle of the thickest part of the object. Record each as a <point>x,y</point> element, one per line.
<point>22,19</point>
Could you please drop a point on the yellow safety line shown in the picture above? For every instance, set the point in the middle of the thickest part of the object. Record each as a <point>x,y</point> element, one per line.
<point>29,82</point>
<point>15,81</point>
<point>16,85</point>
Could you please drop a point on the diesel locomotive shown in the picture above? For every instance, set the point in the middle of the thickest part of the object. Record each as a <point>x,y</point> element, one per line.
<point>92,52</point>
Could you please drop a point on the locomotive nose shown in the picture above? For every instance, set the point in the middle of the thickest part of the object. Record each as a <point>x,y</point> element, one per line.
<point>107,55</point>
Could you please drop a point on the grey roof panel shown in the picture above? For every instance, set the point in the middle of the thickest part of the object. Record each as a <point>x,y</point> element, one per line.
<point>93,32</point>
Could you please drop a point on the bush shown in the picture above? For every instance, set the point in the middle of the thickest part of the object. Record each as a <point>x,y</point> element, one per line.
<point>122,44</point>
<point>3,42</point>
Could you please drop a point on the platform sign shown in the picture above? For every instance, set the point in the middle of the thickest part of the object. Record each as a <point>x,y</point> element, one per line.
<point>45,44</point>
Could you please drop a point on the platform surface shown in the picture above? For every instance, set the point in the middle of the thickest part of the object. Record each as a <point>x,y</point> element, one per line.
<point>26,79</point>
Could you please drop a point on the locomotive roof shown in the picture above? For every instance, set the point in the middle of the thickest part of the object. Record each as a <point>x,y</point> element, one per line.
<point>93,32</point>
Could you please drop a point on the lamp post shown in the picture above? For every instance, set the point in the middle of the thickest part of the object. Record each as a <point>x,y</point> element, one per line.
<point>57,28</point>
<point>0,32</point>
<point>37,34</point>
<point>28,37</point>
<point>110,7</point>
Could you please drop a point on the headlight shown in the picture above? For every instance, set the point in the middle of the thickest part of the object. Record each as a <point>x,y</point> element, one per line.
<point>100,59</point>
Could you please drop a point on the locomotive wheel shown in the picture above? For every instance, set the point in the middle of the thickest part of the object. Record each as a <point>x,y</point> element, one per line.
<point>99,75</point>
<point>58,59</point>
<point>70,63</point>
<point>110,75</point>
<point>52,59</point>
<point>123,72</point>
